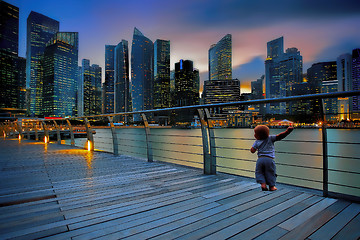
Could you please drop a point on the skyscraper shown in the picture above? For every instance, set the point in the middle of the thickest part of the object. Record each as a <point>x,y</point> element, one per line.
<point>282,70</point>
<point>9,27</point>
<point>60,66</point>
<point>344,77</point>
<point>109,78</point>
<point>12,67</point>
<point>122,87</point>
<point>324,75</point>
<point>161,74</point>
<point>356,82</point>
<point>142,57</point>
<point>89,89</point>
<point>40,29</point>
<point>220,63</point>
<point>186,89</point>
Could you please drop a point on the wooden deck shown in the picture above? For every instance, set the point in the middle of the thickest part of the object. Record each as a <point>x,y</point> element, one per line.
<point>60,192</point>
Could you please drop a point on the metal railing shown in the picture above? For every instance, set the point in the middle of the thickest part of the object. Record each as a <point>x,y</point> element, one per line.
<point>206,148</point>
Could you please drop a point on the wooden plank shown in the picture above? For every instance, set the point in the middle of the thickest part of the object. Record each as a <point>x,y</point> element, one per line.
<point>331,228</point>
<point>306,214</point>
<point>118,224</point>
<point>250,221</point>
<point>312,224</point>
<point>270,199</point>
<point>273,233</point>
<point>350,231</point>
<point>278,217</point>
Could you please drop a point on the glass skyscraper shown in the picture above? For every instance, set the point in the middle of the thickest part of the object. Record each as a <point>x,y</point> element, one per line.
<point>356,82</point>
<point>12,71</point>
<point>40,29</point>
<point>344,77</point>
<point>9,27</point>
<point>89,89</point>
<point>142,57</point>
<point>109,78</point>
<point>122,81</point>
<point>220,59</point>
<point>60,66</point>
<point>161,74</point>
<point>282,70</point>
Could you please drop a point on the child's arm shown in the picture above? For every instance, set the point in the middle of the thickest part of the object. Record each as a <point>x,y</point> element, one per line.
<point>253,150</point>
<point>282,135</point>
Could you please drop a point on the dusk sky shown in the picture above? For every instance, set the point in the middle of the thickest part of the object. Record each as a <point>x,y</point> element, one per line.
<point>320,29</point>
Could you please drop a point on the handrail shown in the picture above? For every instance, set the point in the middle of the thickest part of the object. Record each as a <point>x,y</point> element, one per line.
<point>208,137</point>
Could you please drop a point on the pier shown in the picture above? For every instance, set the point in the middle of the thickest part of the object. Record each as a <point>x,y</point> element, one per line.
<point>52,191</point>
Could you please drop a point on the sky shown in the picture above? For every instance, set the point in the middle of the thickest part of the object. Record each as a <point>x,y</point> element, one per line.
<point>321,29</point>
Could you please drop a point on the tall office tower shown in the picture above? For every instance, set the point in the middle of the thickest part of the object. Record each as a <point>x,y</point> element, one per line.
<point>60,66</point>
<point>344,76</point>
<point>186,89</point>
<point>109,78</point>
<point>282,70</point>
<point>161,74</point>
<point>122,82</point>
<point>323,75</point>
<point>220,63</point>
<point>356,82</point>
<point>142,56</point>
<point>89,89</point>
<point>9,27</point>
<point>9,30</point>
<point>186,84</point>
<point>257,92</point>
<point>40,29</point>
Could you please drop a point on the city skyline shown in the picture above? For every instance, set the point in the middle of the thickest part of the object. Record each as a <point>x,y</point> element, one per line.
<point>321,31</point>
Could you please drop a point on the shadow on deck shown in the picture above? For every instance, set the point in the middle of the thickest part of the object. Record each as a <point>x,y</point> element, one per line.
<point>61,192</point>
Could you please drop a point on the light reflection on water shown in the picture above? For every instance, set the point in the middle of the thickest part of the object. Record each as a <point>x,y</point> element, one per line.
<point>289,152</point>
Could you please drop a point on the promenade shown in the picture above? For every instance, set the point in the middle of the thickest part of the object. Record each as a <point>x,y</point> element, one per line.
<point>52,191</point>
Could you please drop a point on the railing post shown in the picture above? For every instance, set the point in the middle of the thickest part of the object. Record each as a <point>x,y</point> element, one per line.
<point>46,132</point>
<point>36,131</point>
<point>114,136</point>
<point>71,133</point>
<point>148,143</point>
<point>208,139</point>
<point>325,151</point>
<point>89,134</point>
<point>19,124</point>
<point>27,129</point>
<point>57,132</point>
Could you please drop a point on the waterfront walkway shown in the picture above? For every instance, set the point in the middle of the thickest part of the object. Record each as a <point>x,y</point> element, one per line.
<point>61,192</point>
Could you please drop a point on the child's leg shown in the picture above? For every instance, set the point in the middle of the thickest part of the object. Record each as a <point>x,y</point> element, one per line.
<point>270,174</point>
<point>259,173</point>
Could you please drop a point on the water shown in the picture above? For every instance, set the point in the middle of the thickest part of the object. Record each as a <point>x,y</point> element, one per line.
<point>298,157</point>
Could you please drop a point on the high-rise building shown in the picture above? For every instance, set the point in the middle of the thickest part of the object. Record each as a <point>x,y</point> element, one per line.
<point>356,82</point>
<point>122,82</point>
<point>89,89</point>
<point>257,92</point>
<point>109,78</point>
<point>60,66</point>
<point>186,84</point>
<point>12,67</point>
<point>281,71</point>
<point>9,27</point>
<point>220,63</point>
<point>344,77</point>
<point>40,29</point>
<point>161,74</point>
<point>186,89</point>
<point>142,57</point>
<point>324,75</point>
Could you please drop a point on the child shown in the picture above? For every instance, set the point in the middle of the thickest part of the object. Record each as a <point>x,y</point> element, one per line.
<point>265,171</point>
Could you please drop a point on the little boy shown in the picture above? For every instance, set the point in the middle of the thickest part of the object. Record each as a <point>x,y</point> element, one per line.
<point>265,171</point>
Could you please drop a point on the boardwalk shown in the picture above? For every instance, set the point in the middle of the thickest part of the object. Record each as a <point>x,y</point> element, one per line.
<point>60,192</point>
